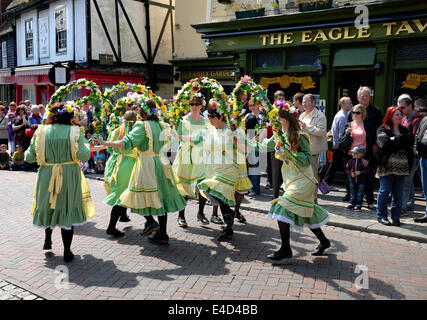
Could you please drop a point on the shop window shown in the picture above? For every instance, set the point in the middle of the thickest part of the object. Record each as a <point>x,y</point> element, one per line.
<point>61,30</point>
<point>303,57</point>
<point>269,60</point>
<point>4,54</point>
<point>412,52</point>
<point>29,49</point>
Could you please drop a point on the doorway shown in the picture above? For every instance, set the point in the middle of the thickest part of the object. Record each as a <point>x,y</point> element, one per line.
<point>349,81</point>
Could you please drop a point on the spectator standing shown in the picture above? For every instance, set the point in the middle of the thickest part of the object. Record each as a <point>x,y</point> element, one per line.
<point>245,105</point>
<point>339,124</point>
<point>420,106</point>
<point>297,101</point>
<point>4,124</point>
<point>19,125</point>
<point>313,121</point>
<point>34,119</point>
<point>11,114</point>
<point>411,120</point>
<point>251,121</point>
<point>371,124</point>
<point>395,159</point>
<point>421,149</point>
<point>42,111</point>
<point>357,170</point>
<point>276,164</point>
<point>28,106</point>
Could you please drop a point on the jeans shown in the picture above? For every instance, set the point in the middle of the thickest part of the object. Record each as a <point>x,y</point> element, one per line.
<point>393,184</point>
<point>254,173</point>
<point>408,196</point>
<point>356,193</point>
<point>255,180</point>
<point>423,167</point>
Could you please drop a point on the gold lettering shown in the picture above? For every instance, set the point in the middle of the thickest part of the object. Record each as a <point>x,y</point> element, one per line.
<point>264,39</point>
<point>347,34</point>
<point>320,34</point>
<point>288,38</point>
<point>335,36</point>
<point>306,36</point>
<point>405,27</point>
<point>419,25</point>
<point>274,38</point>
<point>363,33</point>
<point>389,26</point>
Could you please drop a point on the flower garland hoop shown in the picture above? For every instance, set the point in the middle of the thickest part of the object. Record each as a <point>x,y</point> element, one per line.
<point>181,105</point>
<point>120,87</point>
<point>95,97</point>
<point>255,92</point>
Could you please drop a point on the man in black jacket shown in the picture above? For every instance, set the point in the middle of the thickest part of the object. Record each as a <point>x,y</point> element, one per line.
<point>371,123</point>
<point>421,148</point>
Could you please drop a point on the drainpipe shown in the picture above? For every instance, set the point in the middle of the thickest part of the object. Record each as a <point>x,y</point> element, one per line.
<point>151,81</point>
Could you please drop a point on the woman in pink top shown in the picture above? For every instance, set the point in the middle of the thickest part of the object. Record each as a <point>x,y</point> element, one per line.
<point>357,128</point>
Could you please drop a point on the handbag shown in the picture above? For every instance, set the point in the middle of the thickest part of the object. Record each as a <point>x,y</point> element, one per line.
<point>324,187</point>
<point>29,132</point>
<point>345,142</point>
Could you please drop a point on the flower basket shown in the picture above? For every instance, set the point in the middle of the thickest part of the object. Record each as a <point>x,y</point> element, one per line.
<point>315,5</point>
<point>250,13</point>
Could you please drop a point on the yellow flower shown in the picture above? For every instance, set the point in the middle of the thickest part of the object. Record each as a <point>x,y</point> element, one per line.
<point>69,109</point>
<point>273,112</point>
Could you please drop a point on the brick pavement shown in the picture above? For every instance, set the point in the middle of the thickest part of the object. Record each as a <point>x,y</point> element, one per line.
<point>194,265</point>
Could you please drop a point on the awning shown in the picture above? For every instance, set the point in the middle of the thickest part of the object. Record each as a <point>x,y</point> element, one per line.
<point>33,71</point>
<point>354,57</point>
<point>7,72</point>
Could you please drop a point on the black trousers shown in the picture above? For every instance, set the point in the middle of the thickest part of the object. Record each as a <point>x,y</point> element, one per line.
<point>276,166</point>
<point>338,163</point>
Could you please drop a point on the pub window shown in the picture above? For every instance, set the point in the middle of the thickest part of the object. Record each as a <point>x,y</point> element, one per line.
<point>269,60</point>
<point>61,30</point>
<point>412,52</point>
<point>303,57</point>
<point>4,54</point>
<point>29,49</point>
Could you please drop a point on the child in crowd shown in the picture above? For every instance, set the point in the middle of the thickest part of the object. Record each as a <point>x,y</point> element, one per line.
<point>357,170</point>
<point>18,162</point>
<point>91,162</point>
<point>4,158</point>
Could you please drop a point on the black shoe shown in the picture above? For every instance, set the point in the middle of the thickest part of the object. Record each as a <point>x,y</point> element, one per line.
<point>421,220</point>
<point>203,220</point>
<point>267,186</point>
<point>115,233</point>
<point>279,255</point>
<point>216,220</point>
<point>149,228</point>
<point>182,223</point>
<point>47,245</point>
<point>68,256</point>
<point>159,238</point>
<point>226,234</point>
<point>396,223</point>
<point>124,218</point>
<point>384,221</point>
<point>346,198</point>
<point>240,217</point>
<point>320,248</point>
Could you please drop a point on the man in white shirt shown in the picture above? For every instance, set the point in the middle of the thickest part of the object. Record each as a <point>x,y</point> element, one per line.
<point>313,121</point>
<point>338,129</point>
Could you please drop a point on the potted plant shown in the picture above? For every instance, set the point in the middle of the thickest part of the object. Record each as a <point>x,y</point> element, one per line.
<point>247,10</point>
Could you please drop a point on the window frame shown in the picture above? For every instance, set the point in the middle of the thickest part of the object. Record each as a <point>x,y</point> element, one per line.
<point>61,32</point>
<point>29,39</point>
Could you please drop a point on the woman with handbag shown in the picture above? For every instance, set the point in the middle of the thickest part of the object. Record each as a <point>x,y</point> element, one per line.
<point>296,207</point>
<point>395,159</point>
<point>19,125</point>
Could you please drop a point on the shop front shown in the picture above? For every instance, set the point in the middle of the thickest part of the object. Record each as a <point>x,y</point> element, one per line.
<point>325,54</point>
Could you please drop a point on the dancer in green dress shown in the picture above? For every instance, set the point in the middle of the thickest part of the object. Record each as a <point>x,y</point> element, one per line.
<point>296,207</point>
<point>188,165</point>
<point>152,189</point>
<point>62,195</point>
<point>117,174</point>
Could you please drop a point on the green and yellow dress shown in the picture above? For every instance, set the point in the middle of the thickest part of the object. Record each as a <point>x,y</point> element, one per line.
<point>297,206</point>
<point>152,187</point>
<point>61,196</point>
<point>188,165</point>
<point>117,171</point>
<point>243,183</point>
<point>222,166</point>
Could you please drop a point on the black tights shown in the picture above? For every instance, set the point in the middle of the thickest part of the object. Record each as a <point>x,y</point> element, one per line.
<point>163,220</point>
<point>116,212</point>
<point>284,229</point>
<point>67,238</point>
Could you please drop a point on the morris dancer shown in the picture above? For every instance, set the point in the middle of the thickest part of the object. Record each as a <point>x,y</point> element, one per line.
<point>152,189</point>
<point>58,147</point>
<point>188,165</point>
<point>296,207</point>
<point>117,174</point>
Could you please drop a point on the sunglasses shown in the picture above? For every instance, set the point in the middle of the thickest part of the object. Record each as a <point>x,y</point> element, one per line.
<point>195,104</point>
<point>357,112</point>
<point>211,116</point>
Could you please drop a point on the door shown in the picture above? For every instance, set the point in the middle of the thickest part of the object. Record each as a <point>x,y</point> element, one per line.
<point>349,81</point>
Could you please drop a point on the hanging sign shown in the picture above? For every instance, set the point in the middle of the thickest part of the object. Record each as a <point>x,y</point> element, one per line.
<point>285,82</point>
<point>413,81</point>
